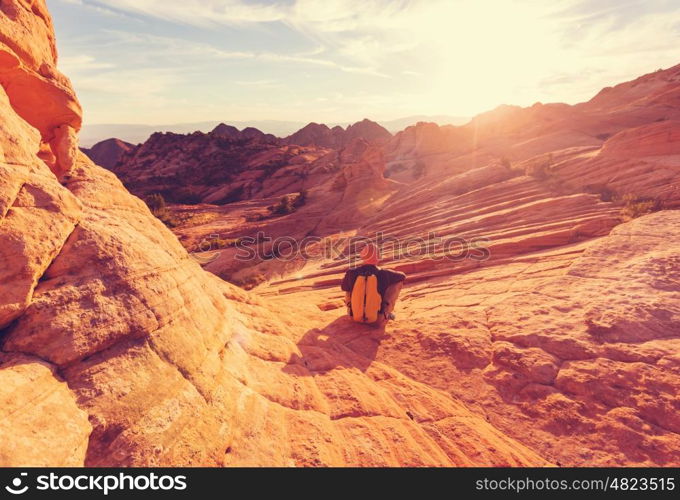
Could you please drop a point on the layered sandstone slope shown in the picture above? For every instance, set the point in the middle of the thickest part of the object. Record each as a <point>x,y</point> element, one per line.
<point>572,351</point>
<point>117,349</point>
<point>566,342</point>
<point>517,133</point>
<point>564,337</point>
<point>640,163</point>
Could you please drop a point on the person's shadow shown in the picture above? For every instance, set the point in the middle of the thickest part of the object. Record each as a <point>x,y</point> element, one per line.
<point>342,343</point>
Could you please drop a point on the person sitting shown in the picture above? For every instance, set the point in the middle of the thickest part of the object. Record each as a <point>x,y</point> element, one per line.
<point>370,291</point>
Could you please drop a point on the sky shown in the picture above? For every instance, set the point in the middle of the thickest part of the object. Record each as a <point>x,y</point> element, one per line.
<point>177,61</point>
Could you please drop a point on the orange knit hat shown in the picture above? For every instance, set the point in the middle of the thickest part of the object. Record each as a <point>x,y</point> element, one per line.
<point>370,254</point>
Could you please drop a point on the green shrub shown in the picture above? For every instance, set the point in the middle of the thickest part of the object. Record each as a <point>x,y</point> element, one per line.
<point>289,203</point>
<point>540,168</point>
<point>634,206</point>
<point>168,218</point>
<point>283,207</point>
<point>156,204</point>
<point>605,193</point>
<point>300,199</point>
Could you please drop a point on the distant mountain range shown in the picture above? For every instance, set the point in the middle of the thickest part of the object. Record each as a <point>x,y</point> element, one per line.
<point>400,124</point>
<point>135,133</point>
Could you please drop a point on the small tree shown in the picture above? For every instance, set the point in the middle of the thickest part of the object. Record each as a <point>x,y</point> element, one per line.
<point>301,198</point>
<point>283,207</point>
<point>289,203</point>
<point>634,206</point>
<point>155,202</point>
<point>540,168</point>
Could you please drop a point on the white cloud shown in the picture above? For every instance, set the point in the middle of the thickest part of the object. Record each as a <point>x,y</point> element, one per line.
<point>371,32</point>
<point>441,56</point>
<point>97,8</point>
<point>265,84</point>
<point>200,12</point>
<point>82,62</point>
<point>156,47</point>
<point>139,84</point>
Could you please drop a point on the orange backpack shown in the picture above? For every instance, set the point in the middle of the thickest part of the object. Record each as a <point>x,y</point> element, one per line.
<point>366,301</point>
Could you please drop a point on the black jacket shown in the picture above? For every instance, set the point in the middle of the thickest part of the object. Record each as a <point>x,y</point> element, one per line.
<point>386,277</point>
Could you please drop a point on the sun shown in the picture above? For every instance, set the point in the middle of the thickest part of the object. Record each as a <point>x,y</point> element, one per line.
<point>481,54</point>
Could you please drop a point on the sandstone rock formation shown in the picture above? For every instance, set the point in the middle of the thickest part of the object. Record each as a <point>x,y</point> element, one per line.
<point>228,165</point>
<point>321,135</point>
<point>249,133</point>
<point>564,337</point>
<point>104,314</point>
<point>518,134</point>
<point>217,167</point>
<point>42,425</point>
<point>424,139</point>
<point>315,134</point>
<point>107,153</point>
<point>552,337</point>
<point>226,131</point>
<point>39,94</point>
<point>223,166</point>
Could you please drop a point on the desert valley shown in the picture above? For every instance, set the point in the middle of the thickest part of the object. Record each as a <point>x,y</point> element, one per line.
<point>133,334</point>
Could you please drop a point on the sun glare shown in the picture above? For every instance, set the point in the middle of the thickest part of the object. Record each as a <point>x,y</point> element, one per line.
<point>480,57</point>
<point>385,59</point>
